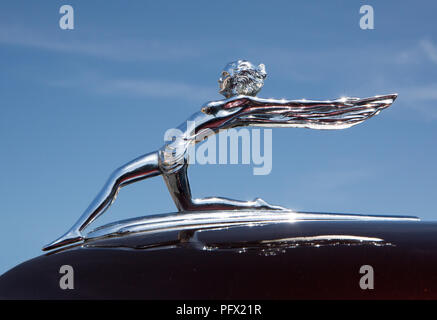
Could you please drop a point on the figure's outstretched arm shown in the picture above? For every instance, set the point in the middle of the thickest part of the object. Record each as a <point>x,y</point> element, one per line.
<point>180,190</point>
<point>331,114</point>
<point>336,114</point>
<point>141,168</point>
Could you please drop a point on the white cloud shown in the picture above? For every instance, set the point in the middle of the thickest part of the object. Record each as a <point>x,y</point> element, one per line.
<point>102,45</point>
<point>420,98</point>
<point>338,179</point>
<point>421,93</point>
<point>159,89</point>
<point>430,50</point>
<point>93,82</point>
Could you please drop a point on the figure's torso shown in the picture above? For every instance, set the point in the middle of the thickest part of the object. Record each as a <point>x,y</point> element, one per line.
<point>173,155</point>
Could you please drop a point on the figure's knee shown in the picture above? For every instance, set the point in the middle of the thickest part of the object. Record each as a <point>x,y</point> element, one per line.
<point>115,179</point>
<point>185,204</point>
<point>117,173</point>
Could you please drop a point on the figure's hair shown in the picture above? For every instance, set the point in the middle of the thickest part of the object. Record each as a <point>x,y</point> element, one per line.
<point>245,78</point>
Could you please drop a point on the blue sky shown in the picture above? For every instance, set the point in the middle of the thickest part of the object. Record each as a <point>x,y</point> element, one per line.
<point>76,104</point>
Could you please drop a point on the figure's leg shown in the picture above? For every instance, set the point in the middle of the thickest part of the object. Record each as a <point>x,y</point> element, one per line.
<point>141,168</point>
<point>179,188</point>
<point>180,191</point>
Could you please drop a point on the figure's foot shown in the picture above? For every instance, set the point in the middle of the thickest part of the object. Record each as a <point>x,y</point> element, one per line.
<point>214,203</point>
<point>261,204</point>
<point>68,238</point>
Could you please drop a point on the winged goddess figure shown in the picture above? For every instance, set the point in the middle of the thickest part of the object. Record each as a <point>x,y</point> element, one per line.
<point>239,82</point>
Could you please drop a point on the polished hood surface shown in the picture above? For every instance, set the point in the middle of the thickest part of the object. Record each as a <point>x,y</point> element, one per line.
<point>284,259</point>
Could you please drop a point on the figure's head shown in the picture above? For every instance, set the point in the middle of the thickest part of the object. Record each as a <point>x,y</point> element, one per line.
<point>241,78</point>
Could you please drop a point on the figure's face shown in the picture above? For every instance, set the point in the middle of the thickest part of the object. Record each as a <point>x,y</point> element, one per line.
<point>225,82</point>
<point>241,78</point>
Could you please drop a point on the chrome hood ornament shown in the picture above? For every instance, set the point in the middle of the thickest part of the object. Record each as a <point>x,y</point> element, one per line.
<point>239,82</point>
